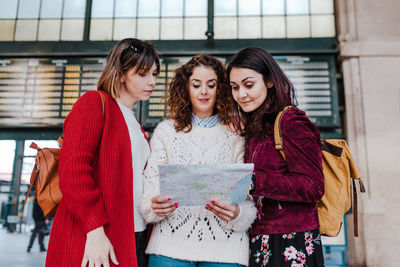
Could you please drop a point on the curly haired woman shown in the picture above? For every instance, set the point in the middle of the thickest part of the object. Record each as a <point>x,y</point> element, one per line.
<point>199,109</point>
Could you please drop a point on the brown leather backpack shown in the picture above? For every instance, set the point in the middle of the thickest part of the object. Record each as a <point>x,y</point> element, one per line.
<point>45,179</point>
<point>339,171</point>
<point>45,176</point>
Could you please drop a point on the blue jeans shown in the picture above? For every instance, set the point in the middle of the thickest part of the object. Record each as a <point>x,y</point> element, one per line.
<point>158,261</point>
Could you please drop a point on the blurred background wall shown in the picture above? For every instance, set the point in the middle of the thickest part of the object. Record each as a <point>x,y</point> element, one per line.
<point>369,46</point>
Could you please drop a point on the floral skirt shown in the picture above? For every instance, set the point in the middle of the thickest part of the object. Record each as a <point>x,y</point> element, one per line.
<point>302,249</point>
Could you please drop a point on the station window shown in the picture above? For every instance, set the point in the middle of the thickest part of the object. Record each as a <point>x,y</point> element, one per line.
<point>42,20</point>
<point>256,19</point>
<point>7,148</point>
<point>54,20</point>
<point>148,19</point>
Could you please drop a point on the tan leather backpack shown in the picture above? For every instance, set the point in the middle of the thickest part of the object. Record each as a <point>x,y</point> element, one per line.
<point>339,171</point>
<point>45,179</point>
<point>45,176</point>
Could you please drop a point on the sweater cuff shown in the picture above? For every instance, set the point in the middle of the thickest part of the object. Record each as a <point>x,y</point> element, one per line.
<point>146,210</point>
<point>93,226</point>
<point>246,217</point>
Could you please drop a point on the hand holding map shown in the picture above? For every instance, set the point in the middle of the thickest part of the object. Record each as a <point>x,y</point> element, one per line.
<point>196,184</point>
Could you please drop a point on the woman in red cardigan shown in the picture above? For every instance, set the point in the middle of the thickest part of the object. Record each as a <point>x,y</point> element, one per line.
<point>101,164</point>
<point>286,232</point>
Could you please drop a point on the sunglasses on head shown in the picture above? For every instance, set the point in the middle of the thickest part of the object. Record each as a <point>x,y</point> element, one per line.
<point>137,47</point>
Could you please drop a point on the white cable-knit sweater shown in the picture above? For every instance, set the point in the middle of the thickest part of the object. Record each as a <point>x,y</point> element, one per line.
<point>194,233</point>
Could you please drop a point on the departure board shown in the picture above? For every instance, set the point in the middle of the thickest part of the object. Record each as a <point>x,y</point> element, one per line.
<point>41,92</point>
<point>153,111</point>
<point>314,80</point>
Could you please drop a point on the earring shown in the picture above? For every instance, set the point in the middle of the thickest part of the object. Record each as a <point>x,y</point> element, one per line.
<point>270,84</point>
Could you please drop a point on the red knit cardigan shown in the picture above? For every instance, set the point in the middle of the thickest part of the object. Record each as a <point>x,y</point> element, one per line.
<point>95,172</point>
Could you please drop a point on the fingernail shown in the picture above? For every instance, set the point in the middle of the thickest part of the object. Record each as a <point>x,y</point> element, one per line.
<point>208,204</point>
<point>206,207</point>
<point>169,198</point>
<point>176,203</point>
<point>176,206</point>
<point>213,201</point>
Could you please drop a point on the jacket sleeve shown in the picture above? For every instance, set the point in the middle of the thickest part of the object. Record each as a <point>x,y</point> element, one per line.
<point>82,133</point>
<point>151,183</point>
<point>303,181</point>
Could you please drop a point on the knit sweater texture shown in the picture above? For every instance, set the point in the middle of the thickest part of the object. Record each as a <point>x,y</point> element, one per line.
<point>194,233</point>
<point>95,171</point>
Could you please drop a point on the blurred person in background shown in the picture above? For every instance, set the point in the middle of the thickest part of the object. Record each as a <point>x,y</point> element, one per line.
<point>40,227</point>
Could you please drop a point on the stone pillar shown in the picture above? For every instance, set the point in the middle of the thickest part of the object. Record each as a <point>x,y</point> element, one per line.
<point>369,45</point>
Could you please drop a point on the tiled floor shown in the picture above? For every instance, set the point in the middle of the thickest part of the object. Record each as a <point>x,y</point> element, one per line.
<point>13,250</point>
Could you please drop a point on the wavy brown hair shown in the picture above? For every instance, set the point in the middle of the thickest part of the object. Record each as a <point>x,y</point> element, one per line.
<point>260,122</point>
<point>126,54</point>
<point>179,107</point>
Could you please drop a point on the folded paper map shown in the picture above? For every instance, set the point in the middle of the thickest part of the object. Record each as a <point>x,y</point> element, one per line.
<point>197,184</point>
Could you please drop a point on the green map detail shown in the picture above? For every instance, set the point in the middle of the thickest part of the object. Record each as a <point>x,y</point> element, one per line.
<point>197,186</point>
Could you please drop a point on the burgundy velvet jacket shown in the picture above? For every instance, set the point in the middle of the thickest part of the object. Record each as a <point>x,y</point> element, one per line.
<point>287,192</point>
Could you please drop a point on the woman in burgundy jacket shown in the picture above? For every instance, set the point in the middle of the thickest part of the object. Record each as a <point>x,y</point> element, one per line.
<point>102,159</point>
<point>286,232</point>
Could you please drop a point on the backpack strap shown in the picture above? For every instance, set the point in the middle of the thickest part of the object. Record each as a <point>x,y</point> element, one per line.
<point>355,204</point>
<point>103,102</point>
<point>278,133</point>
<point>355,209</point>
<point>35,173</point>
<point>34,176</point>
<point>60,140</point>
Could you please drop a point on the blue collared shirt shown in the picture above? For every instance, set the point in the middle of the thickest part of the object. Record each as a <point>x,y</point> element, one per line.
<point>207,122</point>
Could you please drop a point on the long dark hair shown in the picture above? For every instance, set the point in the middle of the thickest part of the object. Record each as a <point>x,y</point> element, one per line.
<point>260,122</point>
<point>126,54</point>
<point>179,107</point>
